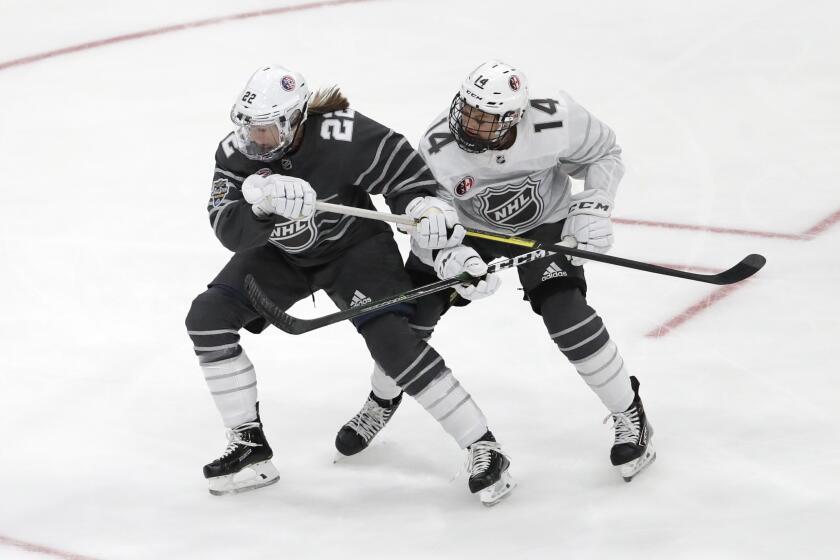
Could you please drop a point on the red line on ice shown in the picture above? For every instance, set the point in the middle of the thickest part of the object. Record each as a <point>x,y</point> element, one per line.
<point>37,548</point>
<point>711,229</point>
<point>822,225</point>
<point>171,29</point>
<point>692,311</point>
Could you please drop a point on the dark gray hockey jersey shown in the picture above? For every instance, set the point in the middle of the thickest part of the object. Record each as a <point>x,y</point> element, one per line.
<point>346,157</point>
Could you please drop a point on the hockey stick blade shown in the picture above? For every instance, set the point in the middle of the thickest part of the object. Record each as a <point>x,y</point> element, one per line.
<point>741,271</point>
<point>269,310</point>
<point>748,266</point>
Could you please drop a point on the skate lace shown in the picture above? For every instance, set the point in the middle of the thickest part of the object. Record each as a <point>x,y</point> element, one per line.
<point>480,455</point>
<point>369,420</point>
<point>234,437</point>
<point>626,425</point>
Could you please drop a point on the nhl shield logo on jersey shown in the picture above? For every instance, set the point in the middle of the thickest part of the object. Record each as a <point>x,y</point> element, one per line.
<point>464,185</point>
<point>513,208</point>
<point>219,192</point>
<point>294,236</point>
<point>288,83</point>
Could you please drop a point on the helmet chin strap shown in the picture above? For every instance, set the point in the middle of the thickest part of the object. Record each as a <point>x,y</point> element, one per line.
<point>298,139</point>
<point>508,139</point>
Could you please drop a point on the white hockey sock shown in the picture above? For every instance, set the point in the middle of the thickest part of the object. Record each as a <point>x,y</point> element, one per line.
<point>454,408</point>
<point>605,373</point>
<point>383,386</point>
<point>233,384</point>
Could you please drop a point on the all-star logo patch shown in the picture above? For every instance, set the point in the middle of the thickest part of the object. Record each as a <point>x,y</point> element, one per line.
<point>220,190</point>
<point>513,208</point>
<point>553,271</point>
<point>264,172</point>
<point>514,82</point>
<point>359,299</point>
<point>464,185</point>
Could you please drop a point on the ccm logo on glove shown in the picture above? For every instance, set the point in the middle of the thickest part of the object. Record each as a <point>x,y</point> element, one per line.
<point>589,205</point>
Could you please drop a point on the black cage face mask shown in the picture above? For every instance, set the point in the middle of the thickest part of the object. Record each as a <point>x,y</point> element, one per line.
<point>476,131</point>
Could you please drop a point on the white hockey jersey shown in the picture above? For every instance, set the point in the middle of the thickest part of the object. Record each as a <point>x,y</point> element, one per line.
<point>512,191</point>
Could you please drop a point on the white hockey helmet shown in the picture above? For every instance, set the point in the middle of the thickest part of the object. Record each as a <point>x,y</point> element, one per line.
<point>489,104</point>
<point>268,112</point>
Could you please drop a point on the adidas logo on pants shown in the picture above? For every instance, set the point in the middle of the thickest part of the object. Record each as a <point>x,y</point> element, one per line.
<point>359,299</point>
<point>553,271</point>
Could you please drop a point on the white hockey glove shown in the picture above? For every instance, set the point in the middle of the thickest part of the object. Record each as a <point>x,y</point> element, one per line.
<point>437,223</point>
<point>455,260</point>
<point>589,223</point>
<point>289,197</point>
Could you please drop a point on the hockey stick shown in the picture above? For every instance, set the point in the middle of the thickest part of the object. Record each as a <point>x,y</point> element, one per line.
<point>748,266</point>
<point>293,325</point>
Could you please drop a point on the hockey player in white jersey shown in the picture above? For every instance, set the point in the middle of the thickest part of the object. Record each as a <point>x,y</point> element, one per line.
<point>506,161</point>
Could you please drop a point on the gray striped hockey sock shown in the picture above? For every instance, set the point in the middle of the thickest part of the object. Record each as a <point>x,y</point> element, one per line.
<point>452,406</point>
<point>233,384</point>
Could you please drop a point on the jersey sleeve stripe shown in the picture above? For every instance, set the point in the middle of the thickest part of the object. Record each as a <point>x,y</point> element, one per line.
<point>361,177</point>
<point>408,186</point>
<point>399,171</point>
<point>378,180</point>
<point>221,171</point>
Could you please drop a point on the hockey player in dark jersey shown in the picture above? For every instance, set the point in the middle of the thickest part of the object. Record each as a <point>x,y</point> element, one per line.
<point>289,149</point>
<point>505,161</point>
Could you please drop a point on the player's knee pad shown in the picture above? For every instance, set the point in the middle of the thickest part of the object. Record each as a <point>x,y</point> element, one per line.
<point>548,289</point>
<point>423,322</point>
<point>572,324</point>
<point>404,357</point>
<point>212,327</point>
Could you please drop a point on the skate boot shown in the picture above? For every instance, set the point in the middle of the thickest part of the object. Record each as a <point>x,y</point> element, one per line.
<point>245,464</point>
<point>356,434</point>
<point>488,466</point>
<point>633,449</point>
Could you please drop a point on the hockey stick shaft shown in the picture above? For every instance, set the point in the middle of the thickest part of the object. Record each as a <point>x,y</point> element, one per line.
<point>744,269</point>
<point>293,325</point>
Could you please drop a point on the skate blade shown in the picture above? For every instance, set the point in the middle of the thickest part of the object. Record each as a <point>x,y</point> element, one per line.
<point>629,470</point>
<point>251,477</point>
<point>494,494</point>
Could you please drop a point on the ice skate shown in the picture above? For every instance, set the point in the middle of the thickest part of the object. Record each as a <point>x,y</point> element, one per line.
<point>633,449</point>
<point>245,464</point>
<point>357,433</point>
<point>488,466</point>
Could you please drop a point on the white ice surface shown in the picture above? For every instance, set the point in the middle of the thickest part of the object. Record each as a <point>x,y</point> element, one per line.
<point>728,116</point>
